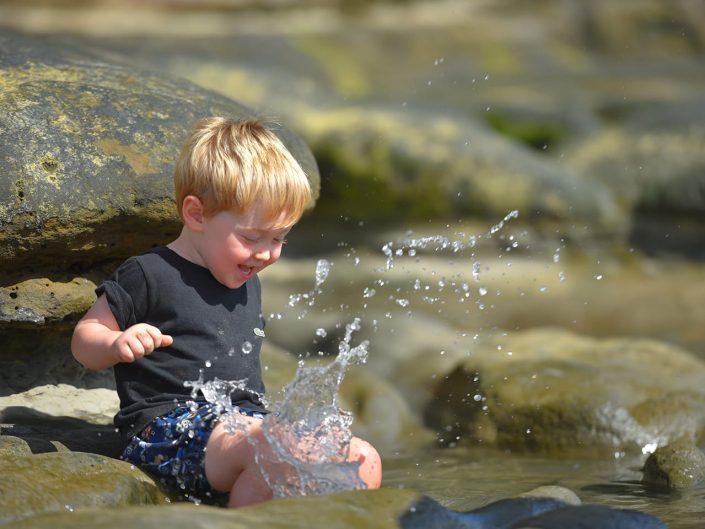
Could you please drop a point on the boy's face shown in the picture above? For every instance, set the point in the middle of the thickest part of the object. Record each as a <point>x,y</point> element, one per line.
<point>236,246</point>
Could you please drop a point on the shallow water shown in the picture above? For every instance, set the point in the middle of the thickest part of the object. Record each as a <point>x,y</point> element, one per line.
<point>466,478</point>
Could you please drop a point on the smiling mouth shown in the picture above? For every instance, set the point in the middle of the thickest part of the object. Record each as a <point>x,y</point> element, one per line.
<point>247,270</point>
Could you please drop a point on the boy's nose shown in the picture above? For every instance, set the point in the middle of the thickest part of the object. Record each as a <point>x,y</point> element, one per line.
<point>263,254</point>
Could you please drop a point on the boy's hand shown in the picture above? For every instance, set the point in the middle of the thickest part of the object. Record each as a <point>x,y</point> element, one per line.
<point>139,340</point>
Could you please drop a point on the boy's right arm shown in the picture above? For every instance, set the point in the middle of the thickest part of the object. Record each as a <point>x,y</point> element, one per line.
<point>98,342</point>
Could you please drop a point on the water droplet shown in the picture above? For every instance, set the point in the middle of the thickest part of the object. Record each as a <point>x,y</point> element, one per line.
<point>208,363</point>
<point>294,299</point>
<point>368,292</point>
<point>246,348</point>
<point>321,332</point>
<point>482,291</point>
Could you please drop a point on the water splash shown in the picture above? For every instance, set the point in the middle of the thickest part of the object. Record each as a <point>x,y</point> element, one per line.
<point>321,274</point>
<point>218,392</point>
<point>308,434</point>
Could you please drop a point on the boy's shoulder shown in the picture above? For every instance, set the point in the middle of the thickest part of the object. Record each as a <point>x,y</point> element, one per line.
<point>154,261</point>
<point>159,256</point>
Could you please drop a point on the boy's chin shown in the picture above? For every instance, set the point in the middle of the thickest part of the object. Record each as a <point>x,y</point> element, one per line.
<point>231,282</point>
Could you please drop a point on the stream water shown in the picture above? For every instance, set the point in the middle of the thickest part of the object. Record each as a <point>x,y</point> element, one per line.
<point>467,478</point>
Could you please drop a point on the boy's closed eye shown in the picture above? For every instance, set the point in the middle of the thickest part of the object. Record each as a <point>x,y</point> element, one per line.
<point>253,239</point>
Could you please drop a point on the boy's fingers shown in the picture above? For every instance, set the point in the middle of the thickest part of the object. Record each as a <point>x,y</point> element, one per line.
<point>137,347</point>
<point>159,339</point>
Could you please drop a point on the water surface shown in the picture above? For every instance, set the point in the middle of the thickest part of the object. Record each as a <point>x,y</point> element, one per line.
<point>467,478</point>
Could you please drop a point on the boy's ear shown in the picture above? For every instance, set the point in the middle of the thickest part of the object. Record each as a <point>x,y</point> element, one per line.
<point>192,212</point>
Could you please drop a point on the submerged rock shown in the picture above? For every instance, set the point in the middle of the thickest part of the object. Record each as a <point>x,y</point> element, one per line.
<point>427,513</point>
<point>525,513</point>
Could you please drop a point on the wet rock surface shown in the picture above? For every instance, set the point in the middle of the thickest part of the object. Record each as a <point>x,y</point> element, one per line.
<point>678,465</point>
<point>66,480</point>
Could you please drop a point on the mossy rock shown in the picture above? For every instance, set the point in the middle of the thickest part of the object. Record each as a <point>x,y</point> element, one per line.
<point>87,155</point>
<point>61,481</point>
<point>551,390</point>
<point>678,465</point>
<point>379,165</point>
<point>369,510</point>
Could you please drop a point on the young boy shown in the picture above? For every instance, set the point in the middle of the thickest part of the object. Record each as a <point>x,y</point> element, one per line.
<point>193,308</point>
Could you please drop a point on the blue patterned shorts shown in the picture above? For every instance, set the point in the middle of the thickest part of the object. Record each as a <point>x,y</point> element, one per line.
<point>172,447</point>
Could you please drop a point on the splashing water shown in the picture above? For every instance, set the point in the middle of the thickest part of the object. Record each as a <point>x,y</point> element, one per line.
<point>217,391</point>
<point>322,271</point>
<point>308,435</point>
<point>321,274</point>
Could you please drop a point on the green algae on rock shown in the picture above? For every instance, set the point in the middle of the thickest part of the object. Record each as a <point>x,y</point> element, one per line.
<point>678,465</point>
<point>87,154</point>
<point>551,390</point>
<point>61,481</point>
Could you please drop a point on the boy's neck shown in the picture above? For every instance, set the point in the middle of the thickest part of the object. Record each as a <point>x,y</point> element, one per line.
<point>184,247</point>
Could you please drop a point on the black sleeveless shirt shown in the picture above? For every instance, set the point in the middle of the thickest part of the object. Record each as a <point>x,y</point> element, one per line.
<point>217,331</point>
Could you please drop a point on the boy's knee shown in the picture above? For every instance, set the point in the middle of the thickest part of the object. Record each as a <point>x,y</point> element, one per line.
<point>370,462</point>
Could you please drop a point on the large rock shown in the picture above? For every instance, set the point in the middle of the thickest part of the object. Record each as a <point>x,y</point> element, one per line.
<point>552,390</point>
<point>656,173</point>
<point>369,510</point>
<point>64,481</point>
<point>87,154</point>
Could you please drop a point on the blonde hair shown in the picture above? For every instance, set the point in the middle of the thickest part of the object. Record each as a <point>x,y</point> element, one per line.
<point>231,165</point>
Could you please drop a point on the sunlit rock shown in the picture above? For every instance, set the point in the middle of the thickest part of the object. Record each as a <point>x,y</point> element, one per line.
<point>64,481</point>
<point>553,390</point>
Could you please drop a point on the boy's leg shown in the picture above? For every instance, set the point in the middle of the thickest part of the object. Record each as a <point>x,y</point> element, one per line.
<point>370,462</point>
<point>230,463</point>
<point>231,467</point>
